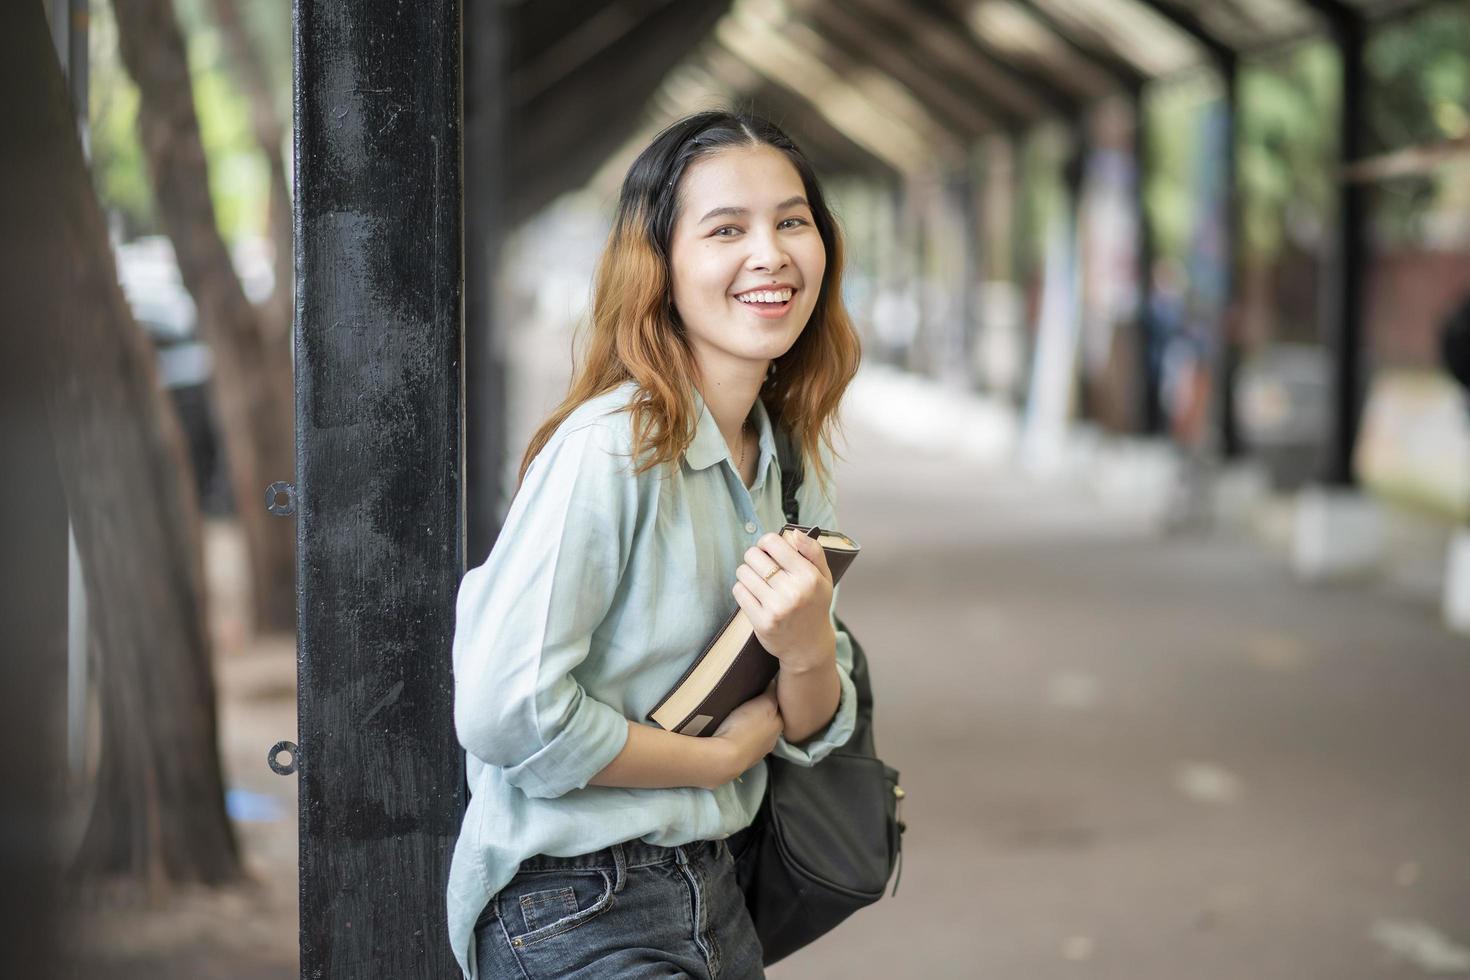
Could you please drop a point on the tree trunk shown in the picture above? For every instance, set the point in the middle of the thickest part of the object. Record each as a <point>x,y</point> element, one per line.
<point>159,811</point>
<point>34,561</point>
<point>252,378</point>
<point>251,75</point>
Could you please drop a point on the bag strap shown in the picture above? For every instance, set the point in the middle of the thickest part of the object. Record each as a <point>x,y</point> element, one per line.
<point>861,741</point>
<point>791,477</point>
<point>791,473</point>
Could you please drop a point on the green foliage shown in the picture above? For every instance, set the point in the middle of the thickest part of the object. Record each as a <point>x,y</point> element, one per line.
<point>1286,147</point>
<point>1419,94</point>
<point>1173,110</point>
<point>238,178</point>
<point>1287,136</point>
<point>119,172</point>
<point>1420,70</point>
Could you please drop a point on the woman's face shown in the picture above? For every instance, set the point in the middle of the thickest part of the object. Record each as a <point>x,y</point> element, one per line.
<point>746,259</point>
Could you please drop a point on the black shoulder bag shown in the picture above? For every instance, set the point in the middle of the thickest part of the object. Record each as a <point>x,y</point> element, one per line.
<point>827,837</point>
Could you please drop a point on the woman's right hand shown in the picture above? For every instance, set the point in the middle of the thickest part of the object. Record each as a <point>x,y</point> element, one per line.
<point>750,732</point>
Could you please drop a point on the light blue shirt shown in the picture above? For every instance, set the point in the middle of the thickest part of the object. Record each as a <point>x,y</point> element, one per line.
<point>598,594</point>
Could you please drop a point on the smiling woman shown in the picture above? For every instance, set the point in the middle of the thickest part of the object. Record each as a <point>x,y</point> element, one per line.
<point>595,845</point>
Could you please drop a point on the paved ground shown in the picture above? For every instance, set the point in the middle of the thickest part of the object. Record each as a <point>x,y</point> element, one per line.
<point>1127,756</point>
<point>1131,756</point>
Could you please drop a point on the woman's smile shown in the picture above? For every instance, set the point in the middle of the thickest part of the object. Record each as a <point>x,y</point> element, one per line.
<point>770,303</point>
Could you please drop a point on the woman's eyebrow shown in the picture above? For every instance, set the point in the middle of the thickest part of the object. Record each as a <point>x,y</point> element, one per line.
<point>790,202</point>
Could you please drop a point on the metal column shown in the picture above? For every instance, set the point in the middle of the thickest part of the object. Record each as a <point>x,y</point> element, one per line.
<point>1225,60</point>
<point>378,498</point>
<point>967,200</point>
<point>1150,355</point>
<point>1228,359</point>
<point>485,371</point>
<point>1344,320</point>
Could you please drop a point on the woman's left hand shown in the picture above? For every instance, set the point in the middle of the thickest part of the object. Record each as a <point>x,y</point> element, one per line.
<point>785,588</point>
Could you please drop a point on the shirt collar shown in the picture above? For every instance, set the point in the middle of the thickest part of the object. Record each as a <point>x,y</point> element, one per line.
<point>708,447</point>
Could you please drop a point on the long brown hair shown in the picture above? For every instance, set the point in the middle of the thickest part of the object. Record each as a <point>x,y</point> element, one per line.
<point>634,333</point>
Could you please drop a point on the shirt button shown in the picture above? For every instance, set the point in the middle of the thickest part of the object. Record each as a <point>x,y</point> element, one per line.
<point>750,527</point>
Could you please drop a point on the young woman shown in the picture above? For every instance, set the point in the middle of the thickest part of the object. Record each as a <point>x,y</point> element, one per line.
<point>595,844</point>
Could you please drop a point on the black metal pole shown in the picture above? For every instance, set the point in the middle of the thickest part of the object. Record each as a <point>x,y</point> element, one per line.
<point>1226,61</point>
<point>1230,314</point>
<point>485,372</point>
<point>379,356</point>
<point>972,244</point>
<point>1345,334</point>
<point>1021,248</point>
<point>1074,183</point>
<point>1150,413</point>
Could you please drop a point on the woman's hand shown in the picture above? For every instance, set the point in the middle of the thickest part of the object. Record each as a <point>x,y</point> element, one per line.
<point>749,734</point>
<point>785,588</point>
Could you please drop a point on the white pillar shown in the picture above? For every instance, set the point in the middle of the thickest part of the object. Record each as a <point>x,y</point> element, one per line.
<point>1339,534</point>
<point>1457,583</point>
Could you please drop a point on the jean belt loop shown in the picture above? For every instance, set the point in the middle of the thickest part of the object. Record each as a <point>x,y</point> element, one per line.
<point>620,868</point>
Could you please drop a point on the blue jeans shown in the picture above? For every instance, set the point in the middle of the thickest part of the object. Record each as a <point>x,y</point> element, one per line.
<point>630,910</point>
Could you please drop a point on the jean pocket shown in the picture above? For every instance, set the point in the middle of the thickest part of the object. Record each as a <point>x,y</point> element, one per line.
<point>537,905</point>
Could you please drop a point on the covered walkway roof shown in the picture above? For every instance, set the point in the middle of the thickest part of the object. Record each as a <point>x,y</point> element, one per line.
<point>873,85</point>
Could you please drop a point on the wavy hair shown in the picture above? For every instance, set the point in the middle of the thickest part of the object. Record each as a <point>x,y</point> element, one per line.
<point>635,335</point>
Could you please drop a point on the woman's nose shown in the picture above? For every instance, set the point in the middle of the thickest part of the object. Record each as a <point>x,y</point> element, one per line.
<point>766,253</point>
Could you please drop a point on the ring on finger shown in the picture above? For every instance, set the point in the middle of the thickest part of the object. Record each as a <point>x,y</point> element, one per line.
<point>770,575</point>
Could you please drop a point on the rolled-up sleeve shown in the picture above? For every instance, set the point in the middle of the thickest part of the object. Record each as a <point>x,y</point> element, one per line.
<point>524,620</point>
<point>817,506</point>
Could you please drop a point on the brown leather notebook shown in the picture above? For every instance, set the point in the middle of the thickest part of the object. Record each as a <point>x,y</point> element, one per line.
<point>734,667</point>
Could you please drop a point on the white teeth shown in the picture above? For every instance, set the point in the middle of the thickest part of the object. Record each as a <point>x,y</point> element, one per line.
<point>765,296</point>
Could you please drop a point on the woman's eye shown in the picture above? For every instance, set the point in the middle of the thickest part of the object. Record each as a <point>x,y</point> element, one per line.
<point>798,222</point>
<point>720,232</point>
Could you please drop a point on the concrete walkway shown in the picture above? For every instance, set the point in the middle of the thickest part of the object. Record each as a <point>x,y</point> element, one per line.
<point>1145,757</point>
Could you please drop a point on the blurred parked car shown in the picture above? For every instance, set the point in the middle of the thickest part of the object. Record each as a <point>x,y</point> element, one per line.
<point>164,309</point>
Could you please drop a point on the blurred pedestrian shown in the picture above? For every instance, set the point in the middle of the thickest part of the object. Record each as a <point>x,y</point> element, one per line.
<point>1454,343</point>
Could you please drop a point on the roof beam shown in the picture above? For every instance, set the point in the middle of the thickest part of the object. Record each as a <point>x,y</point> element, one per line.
<point>848,109</point>
<point>554,147</point>
<point>1220,52</point>
<point>1337,13</point>
<point>945,47</point>
<point>941,14</point>
<point>1125,73</point>
<point>830,149</point>
<point>781,103</point>
<point>860,39</point>
<point>579,45</point>
<point>533,27</point>
<point>881,91</point>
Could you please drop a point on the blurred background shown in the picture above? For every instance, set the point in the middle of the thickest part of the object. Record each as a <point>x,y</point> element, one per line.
<point>1158,449</point>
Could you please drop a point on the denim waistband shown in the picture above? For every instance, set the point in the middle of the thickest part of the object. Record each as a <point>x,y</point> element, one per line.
<point>620,857</point>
